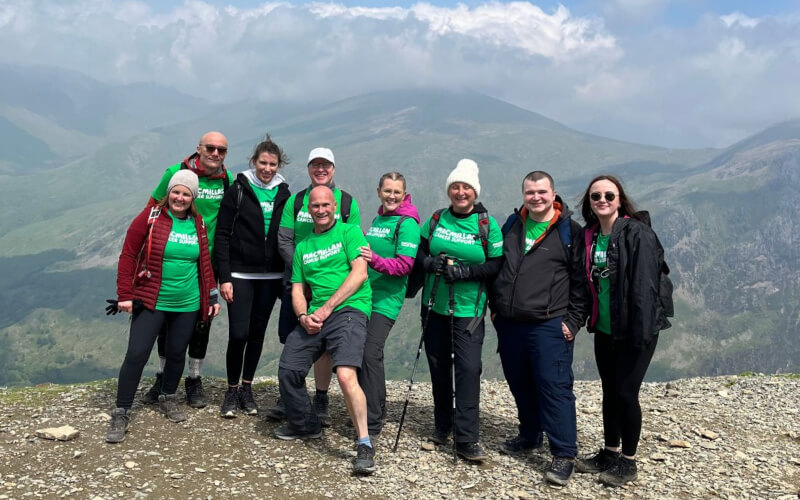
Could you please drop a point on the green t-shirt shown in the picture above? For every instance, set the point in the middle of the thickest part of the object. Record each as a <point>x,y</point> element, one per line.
<point>209,196</point>
<point>303,225</point>
<point>533,230</point>
<point>389,292</point>
<point>458,238</point>
<point>180,288</point>
<point>603,324</point>
<point>266,198</point>
<point>323,262</point>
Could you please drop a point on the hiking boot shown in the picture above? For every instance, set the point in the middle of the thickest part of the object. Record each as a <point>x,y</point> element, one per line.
<point>623,471</point>
<point>365,460</point>
<point>246,401</point>
<point>321,407</point>
<point>120,419</point>
<point>284,432</point>
<point>439,436</point>
<point>230,403</point>
<point>560,470</point>
<point>151,396</point>
<point>471,451</point>
<point>195,397</point>
<point>168,405</point>
<point>600,461</point>
<point>520,446</point>
<point>277,412</point>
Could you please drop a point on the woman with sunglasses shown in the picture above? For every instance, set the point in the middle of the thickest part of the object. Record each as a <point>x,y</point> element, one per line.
<point>250,268</point>
<point>164,280</point>
<point>623,257</point>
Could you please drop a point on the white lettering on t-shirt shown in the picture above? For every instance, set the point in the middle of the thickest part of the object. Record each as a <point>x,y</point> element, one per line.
<point>182,239</point>
<point>303,216</point>
<point>448,235</point>
<point>322,254</point>
<point>378,232</point>
<point>210,193</point>
<point>266,207</point>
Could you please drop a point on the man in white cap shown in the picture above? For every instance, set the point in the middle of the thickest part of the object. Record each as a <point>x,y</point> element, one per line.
<point>208,163</point>
<point>296,225</point>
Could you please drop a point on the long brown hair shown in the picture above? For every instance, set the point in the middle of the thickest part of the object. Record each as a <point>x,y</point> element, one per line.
<point>626,205</point>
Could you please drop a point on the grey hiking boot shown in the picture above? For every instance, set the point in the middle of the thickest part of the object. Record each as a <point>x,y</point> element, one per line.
<point>560,470</point>
<point>151,396</point>
<point>120,419</point>
<point>520,446</point>
<point>230,403</point>
<point>285,433</point>
<point>168,405</point>
<point>277,412</point>
<point>599,462</point>
<point>322,408</point>
<point>623,471</point>
<point>365,460</point>
<point>247,402</point>
<point>439,436</point>
<point>195,397</point>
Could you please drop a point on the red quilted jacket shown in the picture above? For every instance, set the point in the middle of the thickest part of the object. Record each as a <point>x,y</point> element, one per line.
<point>137,279</point>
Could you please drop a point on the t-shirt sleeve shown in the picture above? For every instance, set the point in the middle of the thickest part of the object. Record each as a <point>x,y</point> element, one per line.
<point>287,216</point>
<point>297,266</point>
<point>353,241</point>
<point>408,238</point>
<point>161,189</point>
<point>495,239</point>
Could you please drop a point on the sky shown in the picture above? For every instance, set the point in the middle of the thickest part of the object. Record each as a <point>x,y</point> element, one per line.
<point>675,73</point>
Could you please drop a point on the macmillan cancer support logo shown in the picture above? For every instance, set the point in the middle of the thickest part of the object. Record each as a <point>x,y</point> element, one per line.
<point>182,239</point>
<point>322,254</point>
<point>204,193</point>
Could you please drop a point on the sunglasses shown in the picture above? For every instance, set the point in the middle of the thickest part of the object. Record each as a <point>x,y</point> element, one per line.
<point>210,148</point>
<point>325,166</point>
<point>599,196</point>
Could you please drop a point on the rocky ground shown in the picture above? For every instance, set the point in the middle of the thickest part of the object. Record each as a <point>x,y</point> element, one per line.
<point>727,437</point>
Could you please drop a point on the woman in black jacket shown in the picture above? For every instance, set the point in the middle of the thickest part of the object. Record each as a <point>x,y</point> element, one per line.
<point>246,252</point>
<point>623,264</point>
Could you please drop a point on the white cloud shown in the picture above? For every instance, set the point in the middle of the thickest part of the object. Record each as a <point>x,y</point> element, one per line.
<point>737,18</point>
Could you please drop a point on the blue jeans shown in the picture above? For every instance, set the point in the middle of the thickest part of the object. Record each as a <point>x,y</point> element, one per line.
<point>537,363</point>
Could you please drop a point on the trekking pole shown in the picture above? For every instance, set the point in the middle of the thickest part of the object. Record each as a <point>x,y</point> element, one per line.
<point>451,312</point>
<point>431,298</point>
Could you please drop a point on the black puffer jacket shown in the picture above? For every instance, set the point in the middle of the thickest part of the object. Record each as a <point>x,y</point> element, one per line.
<point>633,260</point>
<point>240,244</point>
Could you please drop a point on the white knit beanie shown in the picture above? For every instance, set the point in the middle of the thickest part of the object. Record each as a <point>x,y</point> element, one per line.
<point>184,177</point>
<point>467,172</point>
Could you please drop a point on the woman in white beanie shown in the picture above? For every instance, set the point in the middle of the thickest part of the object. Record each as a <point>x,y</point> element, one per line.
<point>462,244</point>
<point>164,278</point>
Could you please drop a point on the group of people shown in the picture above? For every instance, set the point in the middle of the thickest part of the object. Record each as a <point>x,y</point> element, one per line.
<point>541,277</point>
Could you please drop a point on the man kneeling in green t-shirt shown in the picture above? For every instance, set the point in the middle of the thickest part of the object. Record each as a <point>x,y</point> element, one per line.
<point>328,262</point>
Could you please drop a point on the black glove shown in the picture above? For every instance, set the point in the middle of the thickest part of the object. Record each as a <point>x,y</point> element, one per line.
<point>111,308</point>
<point>435,264</point>
<point>457,272</point>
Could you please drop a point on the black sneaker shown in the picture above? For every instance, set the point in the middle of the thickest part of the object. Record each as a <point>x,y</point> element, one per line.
<point>560,470</point>
<point>623,471</point>
<point>284,432</point>
<point>120,419</point>
<point>230,403</point>
<point>195,397</point>
<point>246,401</point>
<point>321,406</point>
<point>168,405</point>
<point>365,460</point>
<point>520,446</point>
<point>471,451</point>
<point>151,396</point>
<point>600,461</point>
<point>439,436</point>
<point>277,412</point>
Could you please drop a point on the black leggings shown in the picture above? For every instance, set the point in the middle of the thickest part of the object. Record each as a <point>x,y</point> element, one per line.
<point>248,316</point>
<point>145,327</point>
<point>372,377</point>
<point>622,368</point>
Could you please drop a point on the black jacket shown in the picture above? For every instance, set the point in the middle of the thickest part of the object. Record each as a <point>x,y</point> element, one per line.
<point>633,260</point>
<point>541,284</point>
<point>240,244</point>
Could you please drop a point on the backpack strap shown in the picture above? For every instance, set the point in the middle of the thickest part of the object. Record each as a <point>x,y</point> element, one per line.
<point>565,233</point>
<point>397,227</point>
<point>483,232</point>
<point>239,191</point>
<point>298,202</point>
<point>347,202</point>
<point>509,223</point>
<point>155,212</point>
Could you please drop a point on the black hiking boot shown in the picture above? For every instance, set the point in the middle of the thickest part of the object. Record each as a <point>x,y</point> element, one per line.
<point>560,470</point>
<point>471,451</point>
<point>247,402</point>
<point>230,403</point>
<point>120,419</point>
<point>277,412</point>
<point>168,405</point>
<point>151,396</point>
<point>365,460</point>
<point>195,397</point>
<point>285,433</point>
<point>322,408</point>
<point>623,471</point>
<point>520,446</point>
<point>438,436</point>
<point>599,462</point>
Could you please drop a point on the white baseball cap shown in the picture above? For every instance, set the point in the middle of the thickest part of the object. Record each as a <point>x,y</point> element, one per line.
<point>323,153</point>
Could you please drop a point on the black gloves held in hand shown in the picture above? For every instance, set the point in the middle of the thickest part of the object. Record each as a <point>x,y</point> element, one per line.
<point>435,264</point>
<point>111,308</point>
<point>457,272</point>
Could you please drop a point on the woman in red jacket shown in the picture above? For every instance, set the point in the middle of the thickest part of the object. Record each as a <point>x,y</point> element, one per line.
<point>164,277</point>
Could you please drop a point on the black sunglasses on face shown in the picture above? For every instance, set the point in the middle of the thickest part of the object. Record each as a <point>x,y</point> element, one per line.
<point>596,196</point>
<point>210,148</point>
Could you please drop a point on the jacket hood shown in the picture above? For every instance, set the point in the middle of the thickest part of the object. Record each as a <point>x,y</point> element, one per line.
<point>251,176</point>
<point>191,163</point>
<point>406,208</point>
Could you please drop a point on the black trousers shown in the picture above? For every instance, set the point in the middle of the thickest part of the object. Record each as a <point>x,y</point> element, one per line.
<point>248,316</point>
<point>372,377</point>
<point>468,369</point>
<point>287,321</point>
<point>198,344</point>
<point>145,327</point>
<point>622,368</point>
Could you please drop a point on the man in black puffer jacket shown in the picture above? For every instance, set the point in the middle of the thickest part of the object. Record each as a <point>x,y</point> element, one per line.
<point>539,302</point>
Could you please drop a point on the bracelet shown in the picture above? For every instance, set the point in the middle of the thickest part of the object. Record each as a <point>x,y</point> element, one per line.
<point>300,316</point>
